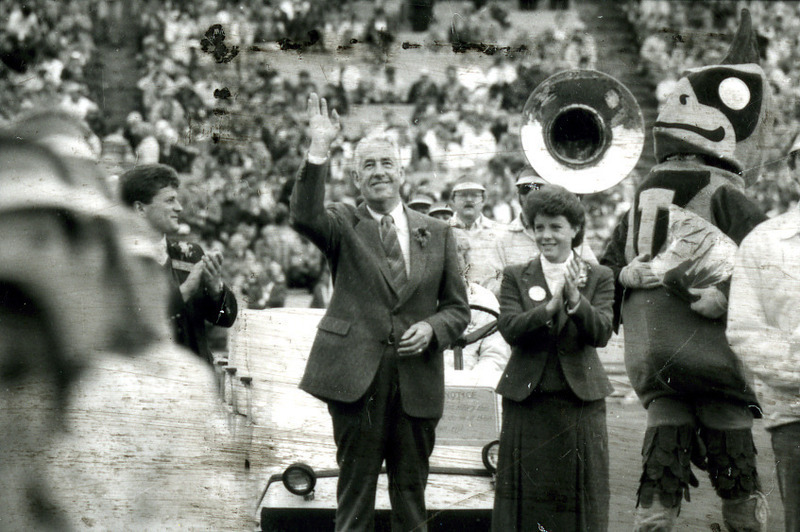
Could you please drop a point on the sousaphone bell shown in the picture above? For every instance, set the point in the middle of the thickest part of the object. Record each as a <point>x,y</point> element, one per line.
<point>583,130</point>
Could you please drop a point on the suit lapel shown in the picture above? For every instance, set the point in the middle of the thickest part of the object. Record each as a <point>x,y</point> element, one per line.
<point>369,231</point>
<point>418,256</point>
<point>533,280</point>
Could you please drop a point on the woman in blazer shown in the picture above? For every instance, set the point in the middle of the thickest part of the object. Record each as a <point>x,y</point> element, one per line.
<point>555,310</point>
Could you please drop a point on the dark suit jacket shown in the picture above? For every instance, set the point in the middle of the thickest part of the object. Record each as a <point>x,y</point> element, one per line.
<point>188,318</point>
<point>524,325</point>
<point>367,315</point>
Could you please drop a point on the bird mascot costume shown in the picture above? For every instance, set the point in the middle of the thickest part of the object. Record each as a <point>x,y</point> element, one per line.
<point>672,255</point>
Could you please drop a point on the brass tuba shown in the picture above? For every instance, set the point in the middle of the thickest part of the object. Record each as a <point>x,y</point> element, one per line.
<point>583,130</point>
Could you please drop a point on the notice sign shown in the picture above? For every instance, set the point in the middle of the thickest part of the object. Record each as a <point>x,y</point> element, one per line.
<point>470,416</point>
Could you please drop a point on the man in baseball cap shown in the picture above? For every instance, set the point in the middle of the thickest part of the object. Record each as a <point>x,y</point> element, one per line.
<point>441,210</point>
<point>420,203</point>
<point>528,179</point>
<point>467,198</point>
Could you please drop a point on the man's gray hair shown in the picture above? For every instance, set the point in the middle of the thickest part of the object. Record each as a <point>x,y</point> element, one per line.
<point>377,136</point>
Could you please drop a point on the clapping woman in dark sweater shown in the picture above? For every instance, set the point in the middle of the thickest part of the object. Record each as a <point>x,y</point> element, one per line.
<point>554,311</point>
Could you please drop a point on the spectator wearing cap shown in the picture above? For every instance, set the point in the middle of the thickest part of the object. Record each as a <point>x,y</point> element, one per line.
<point>517,244</point>
<point>467,199</point>
<point>420,203</point>
<point>441,211</point>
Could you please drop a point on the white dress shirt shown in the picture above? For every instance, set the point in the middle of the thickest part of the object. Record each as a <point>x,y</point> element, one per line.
<point>764,313</point>
<point>554,276</point>
<point>162,256</point>
<point>398,214</point>
<point>554,273</point>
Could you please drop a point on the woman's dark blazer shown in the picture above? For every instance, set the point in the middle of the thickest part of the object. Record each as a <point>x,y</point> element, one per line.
<point>524,324</point>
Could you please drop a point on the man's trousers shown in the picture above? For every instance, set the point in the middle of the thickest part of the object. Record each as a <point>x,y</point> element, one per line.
<point>368,431</point>
<point>786,446</point>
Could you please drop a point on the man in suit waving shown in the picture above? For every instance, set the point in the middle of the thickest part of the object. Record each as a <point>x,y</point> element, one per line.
<point>398,301</point>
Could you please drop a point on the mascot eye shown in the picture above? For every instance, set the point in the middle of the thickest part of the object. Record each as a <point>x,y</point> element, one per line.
<point>734,93</point>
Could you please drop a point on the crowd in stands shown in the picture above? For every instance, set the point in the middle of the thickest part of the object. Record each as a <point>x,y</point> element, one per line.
<point>238,141</point>
<point>239,165</point>
<point>45,47</point>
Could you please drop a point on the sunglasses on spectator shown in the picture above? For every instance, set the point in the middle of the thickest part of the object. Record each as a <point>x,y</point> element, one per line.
<point>524,189</point>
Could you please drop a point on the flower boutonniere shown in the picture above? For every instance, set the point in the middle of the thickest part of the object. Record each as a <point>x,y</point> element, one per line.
<point>185,248</point>
<point>421,235</point>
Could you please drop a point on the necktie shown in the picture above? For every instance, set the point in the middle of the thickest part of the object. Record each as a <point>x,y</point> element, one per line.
<point>394,255</point>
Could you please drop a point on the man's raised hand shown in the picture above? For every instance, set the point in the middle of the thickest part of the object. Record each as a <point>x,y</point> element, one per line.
<point>322,128</point>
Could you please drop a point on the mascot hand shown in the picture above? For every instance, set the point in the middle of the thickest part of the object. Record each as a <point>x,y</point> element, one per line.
<point>639,274</point>
<point>709,302</point>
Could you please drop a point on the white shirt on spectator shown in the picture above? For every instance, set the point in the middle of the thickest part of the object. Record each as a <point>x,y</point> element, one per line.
<point>482,237</point>
<point>764,313</point>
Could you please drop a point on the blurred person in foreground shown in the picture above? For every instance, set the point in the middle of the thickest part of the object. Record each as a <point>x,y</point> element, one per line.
<point>61,288</point>
<point>398,301</point>
<point>555,310</point>
<point>197,293</point>
<point>91,397</point>
<point>69,138</point>
<point>467,198</point>
<point>517,243</point>
<point>764,330</point>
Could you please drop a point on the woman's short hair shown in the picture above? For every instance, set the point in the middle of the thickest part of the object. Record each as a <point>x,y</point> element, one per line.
<point>554,200</point>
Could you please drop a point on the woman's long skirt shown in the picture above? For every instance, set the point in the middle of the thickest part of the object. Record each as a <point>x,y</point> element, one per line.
<point>552,471</point>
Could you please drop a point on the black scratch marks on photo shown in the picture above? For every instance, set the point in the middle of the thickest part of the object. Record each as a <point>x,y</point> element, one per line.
<point>222,94</point>
<point>683,36</point>
<point>214,43</point>
<point>461,47</point>
<point>411,45</point>
<point>288,44</point>
<point>348,46</point>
